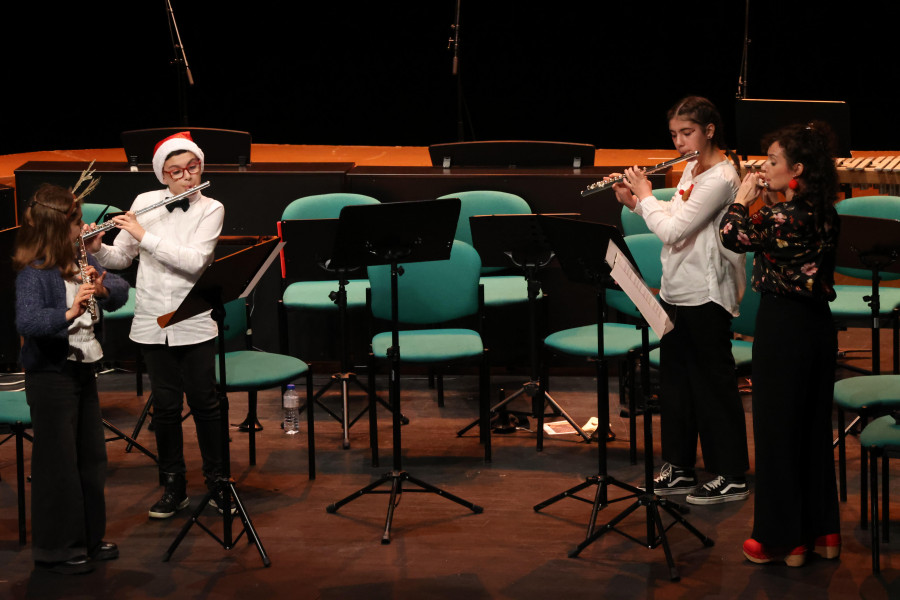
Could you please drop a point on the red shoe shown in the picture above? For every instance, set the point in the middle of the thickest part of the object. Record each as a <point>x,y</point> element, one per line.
<point>755,552</point>
<point>828,546</point>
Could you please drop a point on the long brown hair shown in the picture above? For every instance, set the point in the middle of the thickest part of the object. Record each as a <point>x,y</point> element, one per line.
<point>43,241</point>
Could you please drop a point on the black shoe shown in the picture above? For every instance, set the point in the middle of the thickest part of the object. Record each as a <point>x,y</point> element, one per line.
<point>674,480</point>
<point>105,551</point>
<point>719,490</point>
<point>74,566</point>
<point>174,497</point>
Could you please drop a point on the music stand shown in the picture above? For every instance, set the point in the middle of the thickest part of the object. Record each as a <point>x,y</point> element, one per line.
<point>228,278</point>
<point>387,234</point>
<point>588,253</point>
<point>519,240</point>
<point>308,255</point>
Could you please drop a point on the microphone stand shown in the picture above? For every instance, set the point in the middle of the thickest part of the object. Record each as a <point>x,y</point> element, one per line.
<point>180,62</point>
<point>742,78</point>
<point>454,44</point>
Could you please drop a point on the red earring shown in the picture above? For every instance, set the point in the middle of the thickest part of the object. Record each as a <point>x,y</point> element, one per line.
<point>793,184</point>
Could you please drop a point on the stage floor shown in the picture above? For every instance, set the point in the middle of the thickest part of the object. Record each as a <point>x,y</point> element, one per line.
<point>438,549</point>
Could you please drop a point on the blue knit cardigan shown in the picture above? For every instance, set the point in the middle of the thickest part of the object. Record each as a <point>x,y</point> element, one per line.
<point>41,314</point>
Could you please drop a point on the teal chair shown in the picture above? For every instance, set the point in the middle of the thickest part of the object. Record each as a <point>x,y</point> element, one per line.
<point>251,371</point>
<point>500,288</point>
<point>15,419</point>
<point>94,213</point>
<point>881,439</point>
<point>632,223</point>
<point>435,300</point>
<point>323,296</point>
<point>852,305</point>
<point>869,396</point>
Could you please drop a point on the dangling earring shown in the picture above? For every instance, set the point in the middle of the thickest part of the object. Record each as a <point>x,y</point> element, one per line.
<point>793,184</point>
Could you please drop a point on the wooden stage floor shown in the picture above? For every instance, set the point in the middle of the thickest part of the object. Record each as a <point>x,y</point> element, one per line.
<point>438,549</point>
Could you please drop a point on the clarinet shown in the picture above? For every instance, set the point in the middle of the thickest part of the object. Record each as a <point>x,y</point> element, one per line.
<point>85,278</point>
<point>608,183</point>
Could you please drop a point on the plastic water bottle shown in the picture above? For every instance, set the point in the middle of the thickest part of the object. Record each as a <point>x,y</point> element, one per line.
<point>291,412</point>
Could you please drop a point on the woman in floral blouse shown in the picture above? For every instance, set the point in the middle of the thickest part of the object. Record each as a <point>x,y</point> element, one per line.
<point>795,238</point>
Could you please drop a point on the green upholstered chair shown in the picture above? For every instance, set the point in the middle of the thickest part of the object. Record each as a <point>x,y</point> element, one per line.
<point>633,223</point>
<point>880,439</point>
<point>500,287</point>
<point>15,418</point>
<point>94,212</point>
<point>322,294</point>
<point>852,305</point>
<point>435,301</point>
<point>248,370</point>
<point>869,396</point>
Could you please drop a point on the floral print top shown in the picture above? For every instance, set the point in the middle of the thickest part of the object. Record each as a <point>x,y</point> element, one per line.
<point>793,257</point>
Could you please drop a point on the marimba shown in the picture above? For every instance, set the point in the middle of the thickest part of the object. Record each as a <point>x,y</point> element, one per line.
<point>865,172</point>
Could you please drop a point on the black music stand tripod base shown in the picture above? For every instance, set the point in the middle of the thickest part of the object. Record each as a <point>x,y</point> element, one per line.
<point>386,234</point>
<point>228,278</point>
<point>396,479</point>
<point>581,248</point>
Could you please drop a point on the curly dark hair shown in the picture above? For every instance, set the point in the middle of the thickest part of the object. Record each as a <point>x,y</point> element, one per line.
<point>814,146</point>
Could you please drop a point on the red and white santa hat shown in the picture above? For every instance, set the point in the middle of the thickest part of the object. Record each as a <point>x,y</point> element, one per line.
<point>175,142</point>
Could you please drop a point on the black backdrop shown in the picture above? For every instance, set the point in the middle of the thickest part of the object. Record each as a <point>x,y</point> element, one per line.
<point>379,73</point>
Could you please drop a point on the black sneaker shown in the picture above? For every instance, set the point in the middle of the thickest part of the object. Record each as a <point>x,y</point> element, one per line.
<point>721,489</point>
<point>174,497</point>
<point>674,480</point>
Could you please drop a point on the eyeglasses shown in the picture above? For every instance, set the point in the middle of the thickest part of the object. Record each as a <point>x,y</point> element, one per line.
<point>177,173</point>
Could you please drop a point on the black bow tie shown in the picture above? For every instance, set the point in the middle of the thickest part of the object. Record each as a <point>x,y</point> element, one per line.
<point>183,204</point>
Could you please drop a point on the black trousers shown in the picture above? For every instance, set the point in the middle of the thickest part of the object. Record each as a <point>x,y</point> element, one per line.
<point>176,373</point>
<point>698,392</point>
<point>68,463</point>
<point>794,354</point>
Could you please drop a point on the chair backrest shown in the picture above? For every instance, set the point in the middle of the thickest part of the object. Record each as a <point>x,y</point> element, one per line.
<point>745,323</point>
<point>91,213</point>
<point>882,207</point>
<point>646,249</point>
<point>633,224</point>
<point>236,322</point>
<point>485,202</point>
<point>430,292</point>
<point>323,206</point>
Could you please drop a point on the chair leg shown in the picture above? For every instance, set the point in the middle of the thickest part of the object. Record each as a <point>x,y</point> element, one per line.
<point>484,406</point>
<point>20,479</point>
<point>252,418</point>
<point>885,498</point>
<point>863,474</point>
<point>842,455</point>
<point>310,426</point>
<point>876,558</point>
<point>373,414</point>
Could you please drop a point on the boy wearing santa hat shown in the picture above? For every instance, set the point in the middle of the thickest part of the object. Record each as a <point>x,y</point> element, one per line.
<point>175,243</point>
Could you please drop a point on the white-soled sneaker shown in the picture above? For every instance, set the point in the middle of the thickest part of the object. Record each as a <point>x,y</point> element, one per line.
<point>719,490</point>
<point>673,480</point>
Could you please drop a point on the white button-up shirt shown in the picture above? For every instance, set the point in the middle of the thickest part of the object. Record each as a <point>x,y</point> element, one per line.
<point>696,266</point>
<point>176,249</point>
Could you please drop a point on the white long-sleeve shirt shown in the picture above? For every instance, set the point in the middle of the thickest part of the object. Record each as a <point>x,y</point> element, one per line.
<point>176,249</point>
<point>696,267</point>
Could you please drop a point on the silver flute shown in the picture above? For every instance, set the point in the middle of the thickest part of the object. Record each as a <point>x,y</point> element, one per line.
<point>110,224</point>
<point>608,183</point>
<point>85,278</point>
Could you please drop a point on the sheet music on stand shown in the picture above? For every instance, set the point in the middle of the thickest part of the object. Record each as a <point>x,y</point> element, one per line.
<point>625,275</point>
